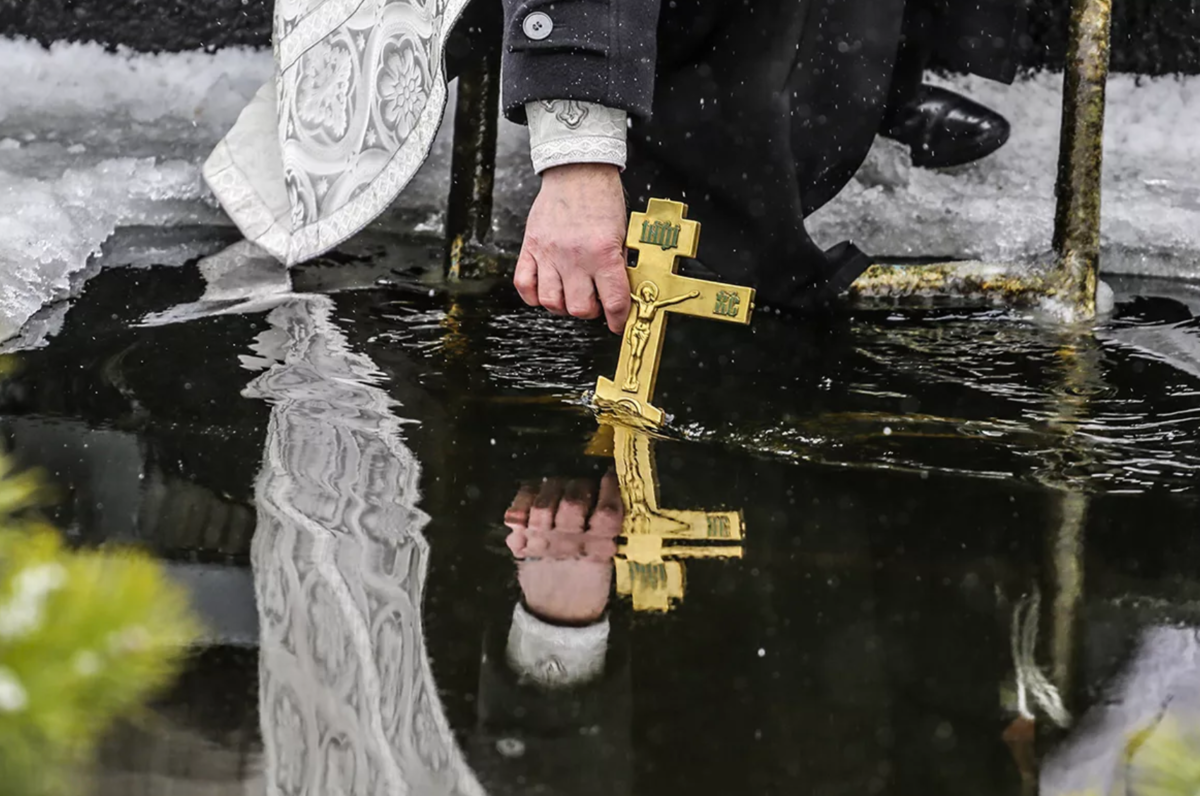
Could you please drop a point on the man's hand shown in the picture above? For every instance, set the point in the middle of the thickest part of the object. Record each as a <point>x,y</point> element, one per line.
<point>573,258</point>
<point>564,545</point>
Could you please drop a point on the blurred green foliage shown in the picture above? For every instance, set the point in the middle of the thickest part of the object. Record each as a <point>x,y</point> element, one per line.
<point>86,637</point>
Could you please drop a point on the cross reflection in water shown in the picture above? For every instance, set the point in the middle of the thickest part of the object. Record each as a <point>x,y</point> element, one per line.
<point>649,563</point>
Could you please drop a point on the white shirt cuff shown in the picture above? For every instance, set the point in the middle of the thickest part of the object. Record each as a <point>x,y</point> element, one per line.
<point>556,657</point>
<point>571,131</point>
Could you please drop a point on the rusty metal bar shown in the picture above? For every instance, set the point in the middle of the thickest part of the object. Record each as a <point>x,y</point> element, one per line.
<point>1077,219</point>
<point>1067,286</point>
<point>1079,359</point>
<point>971,283</point>
<point>1066,576</point>
<point>473,167</point>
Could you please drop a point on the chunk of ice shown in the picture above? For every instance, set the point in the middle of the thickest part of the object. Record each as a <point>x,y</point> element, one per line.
<point>138,126</point>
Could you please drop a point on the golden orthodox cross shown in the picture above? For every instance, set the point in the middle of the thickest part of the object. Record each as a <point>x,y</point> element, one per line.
<point>649,566</point>
<point>661,236</point>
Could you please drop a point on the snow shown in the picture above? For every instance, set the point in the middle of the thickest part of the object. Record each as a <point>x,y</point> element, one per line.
<point>1002,208</point>
<point>92,141</point>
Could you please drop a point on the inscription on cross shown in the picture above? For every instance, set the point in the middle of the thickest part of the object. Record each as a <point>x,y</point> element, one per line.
<point>661,236</point>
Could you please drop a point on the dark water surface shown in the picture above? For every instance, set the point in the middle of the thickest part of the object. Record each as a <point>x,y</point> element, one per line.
<point>330,473</point>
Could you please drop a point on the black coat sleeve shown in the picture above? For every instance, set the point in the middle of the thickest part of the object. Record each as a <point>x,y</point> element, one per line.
<point>600,51</point>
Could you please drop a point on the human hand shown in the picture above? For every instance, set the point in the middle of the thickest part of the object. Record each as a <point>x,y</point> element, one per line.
<point>573,257</point>
<point>565,546</point>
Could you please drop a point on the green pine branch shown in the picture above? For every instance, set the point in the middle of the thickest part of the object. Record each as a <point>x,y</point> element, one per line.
<point>86,638</point>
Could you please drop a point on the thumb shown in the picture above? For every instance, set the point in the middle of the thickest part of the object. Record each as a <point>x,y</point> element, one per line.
<point>612,285</point>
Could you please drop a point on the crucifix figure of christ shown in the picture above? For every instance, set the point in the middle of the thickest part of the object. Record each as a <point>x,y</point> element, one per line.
<point>649,563</point>
<point>661,236</point>
<point>646,305</point>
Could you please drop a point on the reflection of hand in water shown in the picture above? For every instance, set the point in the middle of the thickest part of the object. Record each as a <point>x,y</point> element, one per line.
<point>564,542</point>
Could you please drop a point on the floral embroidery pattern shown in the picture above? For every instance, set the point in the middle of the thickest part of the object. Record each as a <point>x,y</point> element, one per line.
<point>359,95</point>
<point>562,131</point>
<point>402,90</point>
<point>569,112</point>
<point>325,87</point>
<point>296,201</point>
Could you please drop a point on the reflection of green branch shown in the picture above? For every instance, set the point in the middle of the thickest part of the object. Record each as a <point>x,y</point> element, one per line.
<point>85,638</point>
<point>1163,760</point>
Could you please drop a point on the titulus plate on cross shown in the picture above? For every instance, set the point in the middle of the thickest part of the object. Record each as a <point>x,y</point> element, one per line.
<point>661,236</point>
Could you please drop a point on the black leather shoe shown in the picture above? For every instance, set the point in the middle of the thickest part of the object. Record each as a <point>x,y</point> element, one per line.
<point>946,129</point>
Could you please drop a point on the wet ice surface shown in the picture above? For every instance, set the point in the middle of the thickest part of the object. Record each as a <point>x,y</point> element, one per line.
<point>330,473</point>
<point>92,141</point>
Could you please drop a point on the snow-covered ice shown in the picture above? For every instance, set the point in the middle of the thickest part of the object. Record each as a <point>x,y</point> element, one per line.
<point>1002,208</point>
<point>91,141</point>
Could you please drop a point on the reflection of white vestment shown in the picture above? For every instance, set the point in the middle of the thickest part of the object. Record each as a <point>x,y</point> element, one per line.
<point>1158,691</point>
<point>325,147</point>
<point>348,702</point>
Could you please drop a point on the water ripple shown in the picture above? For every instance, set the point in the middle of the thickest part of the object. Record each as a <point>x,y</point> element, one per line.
<point>983,395</point>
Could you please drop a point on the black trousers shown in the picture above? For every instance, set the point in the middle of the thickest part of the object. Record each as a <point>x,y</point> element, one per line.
<point>764,112</point>
<point>934,35</point>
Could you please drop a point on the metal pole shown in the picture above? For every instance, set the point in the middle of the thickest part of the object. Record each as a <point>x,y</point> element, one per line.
<point>1077,219</point>
<point>1080,359</point>
<point>1066,573</point>
<point>473,168</point>
<point>963,283</point>
<point>1069,283</point>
